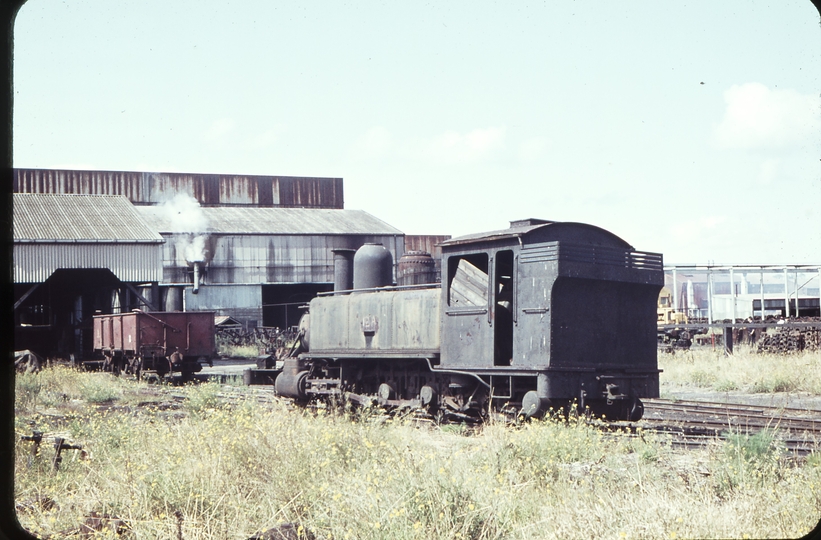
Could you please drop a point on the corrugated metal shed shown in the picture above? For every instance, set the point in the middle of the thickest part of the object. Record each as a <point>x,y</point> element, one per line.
<point>277,221</point>
<point>257,258</point>
<point>208,189</point>
<point>83,232</point>
<point>73,218</point>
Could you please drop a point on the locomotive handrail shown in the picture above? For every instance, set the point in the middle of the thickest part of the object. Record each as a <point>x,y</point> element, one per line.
<point>383,289</point>
<point>469,310</point>
<point>467,373</point>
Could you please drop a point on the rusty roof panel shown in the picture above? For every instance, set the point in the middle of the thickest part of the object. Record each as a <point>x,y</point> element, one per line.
<point>78,218</point>
<point>425,242</point>
<point>208,189</point>
<point>277,221</point>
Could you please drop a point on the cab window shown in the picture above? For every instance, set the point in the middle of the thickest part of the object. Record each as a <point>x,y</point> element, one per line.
<point>468,280</point>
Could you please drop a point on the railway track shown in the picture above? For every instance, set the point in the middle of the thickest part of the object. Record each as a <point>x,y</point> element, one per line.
<point>690,424</point>
<point>697,423</point>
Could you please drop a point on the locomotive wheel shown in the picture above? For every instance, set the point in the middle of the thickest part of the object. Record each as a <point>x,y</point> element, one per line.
<point>636,410</point>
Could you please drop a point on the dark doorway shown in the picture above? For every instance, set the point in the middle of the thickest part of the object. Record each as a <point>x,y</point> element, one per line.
<point>54,317</point>
<point>281,303</point>
<point>504,275</point>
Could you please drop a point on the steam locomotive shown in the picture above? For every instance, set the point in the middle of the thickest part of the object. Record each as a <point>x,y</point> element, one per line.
<point>542,315</point>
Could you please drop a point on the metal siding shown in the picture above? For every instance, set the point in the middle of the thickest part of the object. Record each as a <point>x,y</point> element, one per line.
<point>208,189</point>
<point>224,297</point>
<point>34,263</point>
<point>270,258</point>
<point>129,184</point>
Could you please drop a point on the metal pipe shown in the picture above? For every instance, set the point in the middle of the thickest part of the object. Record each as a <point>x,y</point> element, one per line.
<point>786,294</point>
<point>196,288</point>
<point>675,293</point>
<point>343,269</point>
<point>709,294</point>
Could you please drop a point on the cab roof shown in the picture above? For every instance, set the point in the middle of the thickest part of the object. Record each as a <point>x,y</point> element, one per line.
<point>534,230</point>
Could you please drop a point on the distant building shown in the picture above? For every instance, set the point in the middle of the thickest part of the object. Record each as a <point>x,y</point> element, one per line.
<point>253,248</point>
<point>718,293</point>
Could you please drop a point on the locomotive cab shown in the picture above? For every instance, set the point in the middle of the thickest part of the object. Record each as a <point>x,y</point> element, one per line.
<point>547,313</point>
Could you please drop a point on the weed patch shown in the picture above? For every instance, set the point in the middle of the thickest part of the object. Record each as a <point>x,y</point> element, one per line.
<point>743,371</point>
<point>228,468</point>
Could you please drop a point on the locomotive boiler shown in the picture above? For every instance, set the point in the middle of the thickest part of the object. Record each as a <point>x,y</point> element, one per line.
<point>537,316</point>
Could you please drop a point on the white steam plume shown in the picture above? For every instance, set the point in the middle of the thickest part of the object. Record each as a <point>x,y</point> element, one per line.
<point>188,223</point>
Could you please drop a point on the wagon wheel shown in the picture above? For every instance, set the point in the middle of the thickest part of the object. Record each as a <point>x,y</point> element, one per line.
<point>116,366</point>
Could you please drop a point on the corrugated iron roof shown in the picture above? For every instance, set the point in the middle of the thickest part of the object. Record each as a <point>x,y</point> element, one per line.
<point>79,218</point>
<point>255,220</point>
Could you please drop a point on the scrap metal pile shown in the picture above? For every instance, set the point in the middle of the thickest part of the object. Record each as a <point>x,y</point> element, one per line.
<point>266,339</point>
<point>791,339</point>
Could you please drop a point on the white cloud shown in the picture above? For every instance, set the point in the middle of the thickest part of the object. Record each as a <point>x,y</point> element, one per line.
<point>768,171</point>
<point>265,139</point>
<point>218,129</point>
<point>375,143</point>
<point>534,149</point>
<point>758,117</point>
<point>448,147</point>
<point>693,229</point>
<point>455,147</point>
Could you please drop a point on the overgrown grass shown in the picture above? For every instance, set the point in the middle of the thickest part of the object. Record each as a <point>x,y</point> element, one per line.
<point>56,386</point>
<point>744,371</point>
<point>230,468</point>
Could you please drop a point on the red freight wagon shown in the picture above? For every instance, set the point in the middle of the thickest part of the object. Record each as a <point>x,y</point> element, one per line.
<point>158,342</point>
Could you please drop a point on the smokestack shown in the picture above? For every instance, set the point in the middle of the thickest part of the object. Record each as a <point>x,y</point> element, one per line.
<point>196,278</point>
<point>343,269</point>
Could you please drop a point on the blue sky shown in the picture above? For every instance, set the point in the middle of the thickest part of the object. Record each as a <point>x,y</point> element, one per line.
<point>691,129</point>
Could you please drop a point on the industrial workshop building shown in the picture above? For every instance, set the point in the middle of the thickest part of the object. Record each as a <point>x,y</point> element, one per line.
<point>720,293</point>
<point>253,248</point>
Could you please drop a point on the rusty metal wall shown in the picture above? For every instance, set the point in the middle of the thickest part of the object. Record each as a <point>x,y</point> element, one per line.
<point>208,189</point>
<point>426,242</point>
<point>268,258</point>
<point>242,302</point>
<point>35,262</point>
